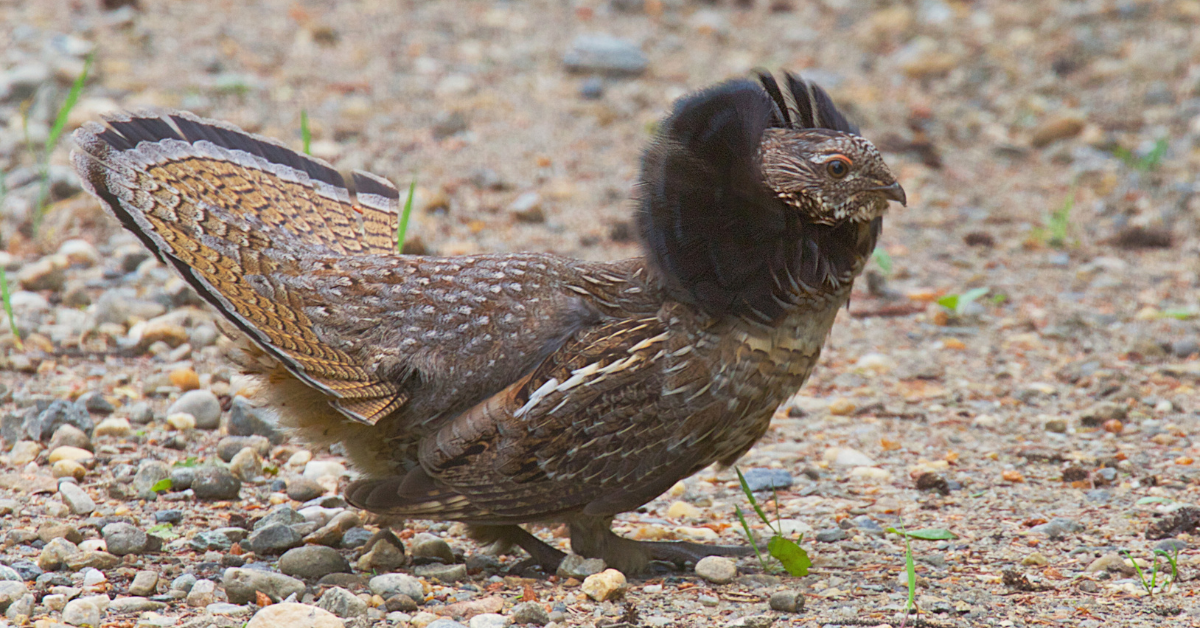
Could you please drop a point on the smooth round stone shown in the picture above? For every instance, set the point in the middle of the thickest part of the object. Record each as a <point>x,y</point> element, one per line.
<point>716,569</point>
<point>312,562</point>
<point>203,405</point>
<point>273,539</point>
<point>215,483</point>
<point>67,452</point>
<point>123,538</point>
<point>425,545</point>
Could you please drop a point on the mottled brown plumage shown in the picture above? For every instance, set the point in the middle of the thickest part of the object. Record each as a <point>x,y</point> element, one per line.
<point>506,389</point>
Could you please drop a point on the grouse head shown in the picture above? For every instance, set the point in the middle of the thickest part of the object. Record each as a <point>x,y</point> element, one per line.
<point>755,196</point>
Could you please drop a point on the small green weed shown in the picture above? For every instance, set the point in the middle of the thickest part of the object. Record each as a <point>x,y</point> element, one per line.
<point>882,260</point>
<point>1151,585</point>
<point>402,227</point>
<point>789,554</point>
<point>162,485</point>
<point>305,132</point>
<point>12,321</point>
<point>924,534</point>
<point>1146,163</point>
<point>188,463</point>
<point>957,303</point>
<point>60,123</point>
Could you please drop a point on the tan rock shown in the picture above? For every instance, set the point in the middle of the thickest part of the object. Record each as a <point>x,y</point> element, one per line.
<point>293,615</point>
<point>70,453</point>
<point>605,585</point>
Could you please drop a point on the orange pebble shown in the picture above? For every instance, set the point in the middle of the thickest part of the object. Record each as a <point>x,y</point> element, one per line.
<point>1013,476</point>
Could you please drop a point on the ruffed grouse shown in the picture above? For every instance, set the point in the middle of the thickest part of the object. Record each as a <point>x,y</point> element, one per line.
<point>505,389</point>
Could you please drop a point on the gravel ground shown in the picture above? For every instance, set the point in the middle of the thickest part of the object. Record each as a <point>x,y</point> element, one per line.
<point>1049,151</point>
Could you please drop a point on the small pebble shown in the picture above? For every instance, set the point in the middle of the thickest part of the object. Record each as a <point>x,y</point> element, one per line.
<point>76,498</point>
<point>578,567</point>
<point>203,405</point>
<point>342,603</point>
<point>605,585</point>
<point>215,483</point>
<point>529,613</point>
<point>312,562</point>
<point>787,601</point>
<point>716,569</point>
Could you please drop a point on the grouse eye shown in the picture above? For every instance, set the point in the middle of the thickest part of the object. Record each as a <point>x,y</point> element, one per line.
<point>838,168</point>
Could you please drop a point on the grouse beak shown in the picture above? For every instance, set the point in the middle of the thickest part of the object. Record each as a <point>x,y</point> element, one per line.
<point>893,192</point>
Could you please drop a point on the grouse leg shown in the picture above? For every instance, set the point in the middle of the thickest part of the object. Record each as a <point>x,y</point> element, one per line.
<point>540,553</point>
<point>594,538</point>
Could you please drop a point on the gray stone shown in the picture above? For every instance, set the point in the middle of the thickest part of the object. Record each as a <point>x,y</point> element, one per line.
<point>444,623</point>
<point>356,537</point>
<point>578,567</point>
<point>123,538</point>
<point>27,569</point>
<point>488,620</point>
<point>832,535</point>
<point>247,420</point>
<point>342,603</point>
<point>183,583</point>
<point>8,574</point>
<point>273,539</point>
<point>280,514</point>
<point>229,446</point>
<point>140,413</point>
<point>149,473</point>
<point>529,613</point>
<point>716,569</point>
<point>69,436</point>
<point>82,612</point>
<point>605,54</point>
<point>215,483</point>
<point>312,562</point>
<point>787,601</point>
<point>134,605</point>
<point>182,477</point>
<point>144,583</point>
<point>211,540</point>
<point>21,609</point>
<point>425,545</point>
<point>445,573</point>
<point>10,592</point>
<point>95,402</point>
<point>303,489</point>
<point>390,584</point>
<point>1057,528</point>
<point>42,426</point>
<point>1171,546</point>
<point>242,584</point>
<point>12,428</point>
<point>224,608</point>
<point>201,404</point>
<point>767,479</point>
<point>55,553</point>
<point>76,498</point>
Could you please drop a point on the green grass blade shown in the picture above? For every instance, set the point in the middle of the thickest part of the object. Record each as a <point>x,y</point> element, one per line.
<point>402,228</point>
<point>60,122</point>
<point>1138,568</point>
<point>910,568</point>
<point>305,132</point>
<point>7,298</point>
<point>793,558</point>
<point>926,534</point>
<point>750,537</point>
<point>162,485</point>
<point>750,496</point>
